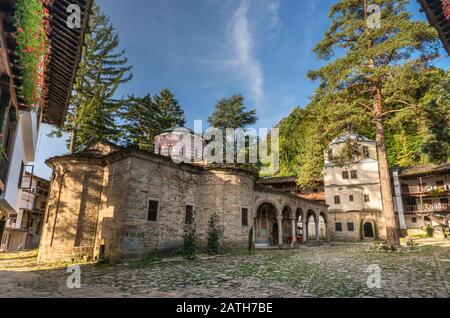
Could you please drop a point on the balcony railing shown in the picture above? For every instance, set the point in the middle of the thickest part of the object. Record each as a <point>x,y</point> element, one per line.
<point>425,189</point>
<point>428,208</point>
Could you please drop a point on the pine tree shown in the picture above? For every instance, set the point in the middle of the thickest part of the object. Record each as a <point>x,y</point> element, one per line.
<point>92,111</point>
<point>169,113</point>
<point>140,123</point>
<point>230,113</point>
<point>354,85</point>
<point>144,118</point>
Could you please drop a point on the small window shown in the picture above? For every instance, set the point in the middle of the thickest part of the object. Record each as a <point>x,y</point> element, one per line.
<point>366,198</point>
<point>350,227</point>
<point>354,174</point>
<point>244,217</point>
<point>330,154</point>
<point>345,175</point>
<point>152,211</point>
<point>414,220</point>
<point>170,151</point>
<point>351,198</point>
<point>338,227</point>
<point>189,214</point>
<point>337,199</point>
<point>315,190</point>
<point>366,152</point>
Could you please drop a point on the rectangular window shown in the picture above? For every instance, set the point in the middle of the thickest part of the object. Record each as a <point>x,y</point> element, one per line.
<point>366,198</point>
<point>189,214</point>
<point>365,152</point>
<point>244,217</point>
<point>350,227</point>
<point>354,174</point>
<point>337,199</point>
<point>338,227</point>
<point>152,215</point>
<point>413,220</point>
<point>351,198</point>
<point>345,175</point>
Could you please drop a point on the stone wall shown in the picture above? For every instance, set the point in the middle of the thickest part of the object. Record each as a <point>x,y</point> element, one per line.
<point>226,193</point>
<point>99,202</point>
<point>355,217</point>
<point>70,226</point>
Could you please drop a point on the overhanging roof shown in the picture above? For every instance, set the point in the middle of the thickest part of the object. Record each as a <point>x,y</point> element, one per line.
<point>66,45</point>
<point>435,15</point>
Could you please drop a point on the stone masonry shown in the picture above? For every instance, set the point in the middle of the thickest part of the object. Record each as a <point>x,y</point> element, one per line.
<point>99,202</point>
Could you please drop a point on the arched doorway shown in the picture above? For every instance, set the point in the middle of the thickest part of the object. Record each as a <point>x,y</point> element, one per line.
<point>323,227</point>
<point>299,225</point>
<point>287,225</point>
<point>311,221</point>
<point>368,230</point>
<point>266,226</point>
<point>275,234</point>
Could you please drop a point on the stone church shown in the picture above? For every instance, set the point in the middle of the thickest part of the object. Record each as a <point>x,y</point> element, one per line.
<point>112,203</point>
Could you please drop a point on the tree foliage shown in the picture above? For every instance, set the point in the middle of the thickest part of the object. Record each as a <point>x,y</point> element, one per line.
<point>214,235</point>
<point>190,239</point>
<point>144,117</point>
<point>92,112</point>
<point>415,95</point>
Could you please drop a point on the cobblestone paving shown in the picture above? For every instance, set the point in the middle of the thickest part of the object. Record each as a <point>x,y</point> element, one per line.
<point>337,270</point>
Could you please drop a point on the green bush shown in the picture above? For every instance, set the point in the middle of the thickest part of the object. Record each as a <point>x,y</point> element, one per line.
<point>250,240</point>
<point>375,231</point>
<point>429,230</point>
<point>215,234</point>
<point>190,240</point>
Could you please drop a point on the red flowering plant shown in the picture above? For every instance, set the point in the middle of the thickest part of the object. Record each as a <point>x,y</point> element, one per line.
<point>32,29</point>
<point>446,8</point>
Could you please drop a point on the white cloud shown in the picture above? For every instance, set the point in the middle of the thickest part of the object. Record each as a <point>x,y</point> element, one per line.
<point>243,44</point>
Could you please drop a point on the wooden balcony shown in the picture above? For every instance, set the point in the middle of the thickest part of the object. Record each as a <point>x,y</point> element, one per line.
<point>426,190</point>
<point>428,208</point>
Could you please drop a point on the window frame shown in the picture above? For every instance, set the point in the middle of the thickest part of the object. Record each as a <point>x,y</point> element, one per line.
<point>337,199</point>
<point>350,227</point>
<point>246,218</point>
<point>366,152</point>
<point>338,227</point>
<point>345,175</point>
<point>157,210</point>
<point>366,198</point>
<point>186,213</point>
<point>351,198</point>
<point>353,174</point>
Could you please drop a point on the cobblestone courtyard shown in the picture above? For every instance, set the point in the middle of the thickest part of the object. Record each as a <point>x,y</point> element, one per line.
<point>337,270</point>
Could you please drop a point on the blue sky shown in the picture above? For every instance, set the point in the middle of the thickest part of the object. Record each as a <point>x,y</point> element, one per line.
<point>204,50</point>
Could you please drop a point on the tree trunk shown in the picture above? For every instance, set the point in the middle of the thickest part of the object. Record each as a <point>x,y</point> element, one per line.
<point>385,178</point>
